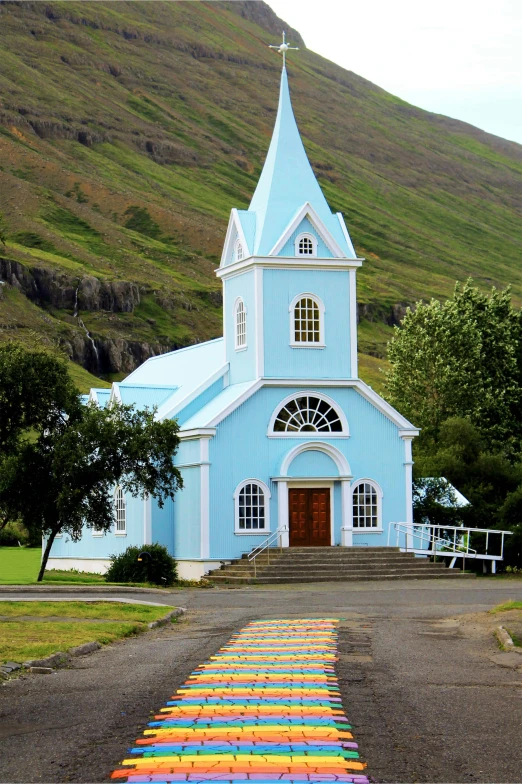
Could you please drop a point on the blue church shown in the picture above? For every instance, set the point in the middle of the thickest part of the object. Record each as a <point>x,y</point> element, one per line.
<point>278,433</point>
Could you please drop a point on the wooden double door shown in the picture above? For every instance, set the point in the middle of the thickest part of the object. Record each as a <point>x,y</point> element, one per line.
<point>309,512</point>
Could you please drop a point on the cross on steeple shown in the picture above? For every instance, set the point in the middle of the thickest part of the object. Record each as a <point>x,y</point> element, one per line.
<point>283,48</point>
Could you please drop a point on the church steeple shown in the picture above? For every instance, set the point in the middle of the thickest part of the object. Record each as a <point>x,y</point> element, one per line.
<point>287,183</point>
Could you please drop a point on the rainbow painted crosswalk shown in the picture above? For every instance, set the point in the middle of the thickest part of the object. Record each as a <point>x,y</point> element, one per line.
<point>265,708</point>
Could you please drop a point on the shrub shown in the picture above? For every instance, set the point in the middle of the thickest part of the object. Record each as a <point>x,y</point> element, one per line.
<point>15,533</point>
<point>156,566</point>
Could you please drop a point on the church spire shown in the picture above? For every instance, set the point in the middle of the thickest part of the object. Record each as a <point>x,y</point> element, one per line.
<point>287,183</point>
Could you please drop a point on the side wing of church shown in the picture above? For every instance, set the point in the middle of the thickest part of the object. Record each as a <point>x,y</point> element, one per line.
<point>278,433</point>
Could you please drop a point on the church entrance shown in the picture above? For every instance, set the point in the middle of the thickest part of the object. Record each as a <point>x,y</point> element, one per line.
<point>309,517</point>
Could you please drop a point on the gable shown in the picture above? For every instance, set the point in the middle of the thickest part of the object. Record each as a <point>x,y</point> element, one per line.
<point>306,227</point>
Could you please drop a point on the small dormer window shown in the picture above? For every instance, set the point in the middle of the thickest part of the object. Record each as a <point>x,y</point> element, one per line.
<point>306,245</point>
<point>239,251</point>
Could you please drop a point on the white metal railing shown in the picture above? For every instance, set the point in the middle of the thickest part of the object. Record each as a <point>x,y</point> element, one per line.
<point>265,545</point>
<point>446,541</point>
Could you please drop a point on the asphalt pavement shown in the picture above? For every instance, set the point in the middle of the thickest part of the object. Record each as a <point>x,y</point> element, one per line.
<point>426,700</point>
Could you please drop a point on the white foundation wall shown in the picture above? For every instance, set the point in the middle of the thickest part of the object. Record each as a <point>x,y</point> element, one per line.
<point>195,570</point>
<point>93,565</point>
<point>187,570</point>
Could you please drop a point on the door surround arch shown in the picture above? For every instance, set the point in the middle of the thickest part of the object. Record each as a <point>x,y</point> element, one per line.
<point>343,475</point>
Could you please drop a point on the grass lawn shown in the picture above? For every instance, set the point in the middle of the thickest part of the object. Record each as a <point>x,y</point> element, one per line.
<point>23,638</point>
<point>19,564</point>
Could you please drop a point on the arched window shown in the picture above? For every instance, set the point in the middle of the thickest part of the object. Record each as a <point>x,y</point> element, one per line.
<point>239,251</point>
<point>307,322</point>
<point>120,511</point>
<point>306,245</point>
<point>240,324</point>
<point>367,497</point>
<point>252,507</point>
<point>308,413</point>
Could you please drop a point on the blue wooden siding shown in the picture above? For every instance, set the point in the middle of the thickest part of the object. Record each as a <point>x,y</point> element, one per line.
<point>312,463</point>
<point>305,226</point>
<point>188,452</point>
<point>241,450</point>
<point>91,546</point>
<point>163,523</point>
<point>280,287</point>
<point>242,363</point>
<point>187,529</point>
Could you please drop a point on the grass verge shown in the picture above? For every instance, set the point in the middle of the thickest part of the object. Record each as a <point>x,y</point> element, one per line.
<point>24,638</point>
<point>512,605</point>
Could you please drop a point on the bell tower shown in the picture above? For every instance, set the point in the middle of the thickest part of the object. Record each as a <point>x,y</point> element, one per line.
<point>289,271</point>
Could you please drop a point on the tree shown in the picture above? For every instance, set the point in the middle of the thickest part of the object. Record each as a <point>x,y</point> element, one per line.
<point>461,358</point>
<point>435,502</point>
<point>61,464</point>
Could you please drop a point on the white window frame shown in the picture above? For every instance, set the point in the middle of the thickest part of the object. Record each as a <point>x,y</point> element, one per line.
<point>117,492</point>
<point>308,236</point>
<point>97,532</point>
<point>237,345</point>
<point>291,310</point>
<point>306,434</point>
<point>239,251</point>
<point>379,528</point>
<point>267,494</point>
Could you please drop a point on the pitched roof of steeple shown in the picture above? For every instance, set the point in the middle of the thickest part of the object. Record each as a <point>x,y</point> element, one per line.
<point>287,183</point>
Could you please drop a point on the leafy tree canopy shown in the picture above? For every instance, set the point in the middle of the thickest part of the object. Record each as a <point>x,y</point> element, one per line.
<point>461,358</point>
<point>62,478</point>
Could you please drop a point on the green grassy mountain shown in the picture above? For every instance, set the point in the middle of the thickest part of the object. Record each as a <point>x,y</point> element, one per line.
<point>128,130</point>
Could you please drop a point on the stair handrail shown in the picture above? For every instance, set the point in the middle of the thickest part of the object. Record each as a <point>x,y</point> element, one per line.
<point>265,545</point>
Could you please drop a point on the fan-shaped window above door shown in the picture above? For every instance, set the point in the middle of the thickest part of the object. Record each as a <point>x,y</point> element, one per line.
<point>308,414</point>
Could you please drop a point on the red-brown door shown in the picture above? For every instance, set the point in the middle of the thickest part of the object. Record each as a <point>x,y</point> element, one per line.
<point>309,517</point>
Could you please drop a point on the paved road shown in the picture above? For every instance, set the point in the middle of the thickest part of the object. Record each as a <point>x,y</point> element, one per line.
<point>426,702</point>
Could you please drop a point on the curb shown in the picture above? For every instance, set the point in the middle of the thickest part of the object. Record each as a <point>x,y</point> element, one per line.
<point>60,659</point>
<point>95,588</point>
<point>168,617</point>
<point>506,642</point>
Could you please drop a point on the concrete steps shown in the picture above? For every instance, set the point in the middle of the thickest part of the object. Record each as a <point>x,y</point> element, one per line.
<point>330,564</point>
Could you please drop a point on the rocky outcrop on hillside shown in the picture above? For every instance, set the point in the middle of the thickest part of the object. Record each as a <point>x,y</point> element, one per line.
<point>106,356</point>
<point>46,286</point>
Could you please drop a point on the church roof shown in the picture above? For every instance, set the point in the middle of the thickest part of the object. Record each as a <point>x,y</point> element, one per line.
<point>170,381</point>
<point>286,184</point>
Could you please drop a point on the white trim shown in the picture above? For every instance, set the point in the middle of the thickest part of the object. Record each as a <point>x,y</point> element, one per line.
<point>204,497</point>
<point>267,496</point>
<point>235,404</point>
<point>115,396</point>
<point>307,211</point>
<point>306,235</point>
<point>321,343</point>
<point>408,485</point>
<point>319,446</point>
<point>311,480</point>
<point>346,514</point>
<point>283,515</point>
<point>376,486</point>
<point>405,427</point>
<point>171,412</point>
<point>347,237</point>
<point>147,520</point>
<point>237,346</point>
<point>234,223</point>
<point>345,433</point>
<point>96,532</point>
<point>259,322</point>
<point>287,262</point>
<point>352,282</point>
<point>197,432</point>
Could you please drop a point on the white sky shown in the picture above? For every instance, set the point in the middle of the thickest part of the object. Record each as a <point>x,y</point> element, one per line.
<point>462,58</point>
